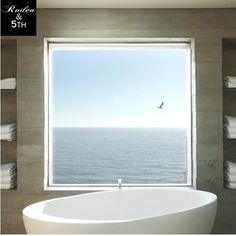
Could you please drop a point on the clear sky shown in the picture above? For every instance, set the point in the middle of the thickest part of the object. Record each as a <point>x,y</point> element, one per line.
<point>119,88</point>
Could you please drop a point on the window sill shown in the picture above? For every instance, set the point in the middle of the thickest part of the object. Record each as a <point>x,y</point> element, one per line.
<point>105,188</point>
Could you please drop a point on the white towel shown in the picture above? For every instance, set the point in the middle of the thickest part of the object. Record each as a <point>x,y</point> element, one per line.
<point>230,167</point>
<point>230,185</point>
<point>230,121</point>
<point>8,86</point>
<point>5,173</point>
<point>230,171</point>
<point>7,179</point>
<point>230,79</point>
<point>230,164</point>
<point>230,85</point>
<point>8,80</point>
<point>8,169</point>
<point>8,137</point>
<point>8,83</point>
<point>229,131</point>
<point>230,177</point>
<point>8,128</point>
<point>8,186</point>
<point>230,135</point>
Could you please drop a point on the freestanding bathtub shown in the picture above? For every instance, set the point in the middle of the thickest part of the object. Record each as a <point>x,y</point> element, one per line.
<point>131,211</point>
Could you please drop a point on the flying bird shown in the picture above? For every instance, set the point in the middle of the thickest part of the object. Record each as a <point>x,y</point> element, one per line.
<point>161,106</point>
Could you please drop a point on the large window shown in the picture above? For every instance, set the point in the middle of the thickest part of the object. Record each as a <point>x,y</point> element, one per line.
<point>118,110</point>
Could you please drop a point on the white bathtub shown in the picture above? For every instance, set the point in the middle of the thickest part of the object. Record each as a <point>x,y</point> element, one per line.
<point>138,211</point>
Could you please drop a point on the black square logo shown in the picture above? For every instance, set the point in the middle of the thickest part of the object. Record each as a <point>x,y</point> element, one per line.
<point>18,17</point>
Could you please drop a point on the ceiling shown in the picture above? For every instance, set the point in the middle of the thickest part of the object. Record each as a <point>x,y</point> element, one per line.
<point>136,3</point>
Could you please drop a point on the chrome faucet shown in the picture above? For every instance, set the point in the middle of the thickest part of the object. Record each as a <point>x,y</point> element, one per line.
<point>120,183</point>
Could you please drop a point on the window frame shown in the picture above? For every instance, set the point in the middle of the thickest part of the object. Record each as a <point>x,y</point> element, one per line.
<point>69,44</point>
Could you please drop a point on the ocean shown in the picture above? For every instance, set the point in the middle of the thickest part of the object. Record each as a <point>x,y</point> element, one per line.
<point>102,155</point>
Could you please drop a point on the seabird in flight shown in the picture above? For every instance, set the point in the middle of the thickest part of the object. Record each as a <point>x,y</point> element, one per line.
<point>161,106</point>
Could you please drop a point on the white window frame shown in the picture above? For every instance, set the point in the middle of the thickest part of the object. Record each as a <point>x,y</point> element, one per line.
<point>82,44</point>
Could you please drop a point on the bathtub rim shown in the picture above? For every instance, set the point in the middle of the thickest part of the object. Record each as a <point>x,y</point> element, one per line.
<point>27,211</point>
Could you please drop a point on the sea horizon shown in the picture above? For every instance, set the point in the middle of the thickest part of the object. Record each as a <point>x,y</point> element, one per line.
<point>96,155</point>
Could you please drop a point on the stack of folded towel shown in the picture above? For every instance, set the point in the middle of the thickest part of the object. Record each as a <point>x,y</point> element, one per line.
<point>230,174</point>
<point>230,127</point>
<point>8,83</point>
<point>8,132</point>
<point>230,81</point>
<point>8,176</point>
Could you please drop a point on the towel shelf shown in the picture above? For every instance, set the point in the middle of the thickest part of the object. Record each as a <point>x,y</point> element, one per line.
<point>7,190</point>
<point>229,96</point>
<point>3,140</point>
<point>230,89</point>
<point>8,90</point>
<point>9,100</point>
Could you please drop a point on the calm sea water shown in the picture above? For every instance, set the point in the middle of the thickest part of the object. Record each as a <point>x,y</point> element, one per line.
<point>102,155</point>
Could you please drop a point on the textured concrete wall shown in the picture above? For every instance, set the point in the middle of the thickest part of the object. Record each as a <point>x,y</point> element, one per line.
<point>207,27</point>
